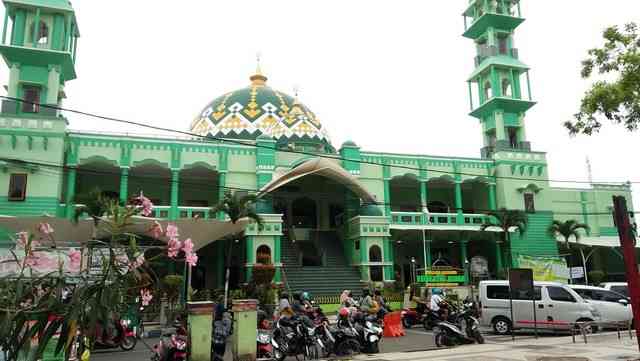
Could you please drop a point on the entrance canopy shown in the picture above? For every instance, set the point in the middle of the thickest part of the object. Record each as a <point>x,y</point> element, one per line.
<point>201,231</point>
<point>326,168</point>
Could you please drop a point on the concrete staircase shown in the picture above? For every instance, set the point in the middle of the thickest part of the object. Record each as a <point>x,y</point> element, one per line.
<point>328,280</point>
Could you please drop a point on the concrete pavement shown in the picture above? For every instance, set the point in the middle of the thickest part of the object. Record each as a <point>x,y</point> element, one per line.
<point>600,347</point>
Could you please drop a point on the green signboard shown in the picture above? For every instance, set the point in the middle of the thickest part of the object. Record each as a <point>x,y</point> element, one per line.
<point>442,277</point>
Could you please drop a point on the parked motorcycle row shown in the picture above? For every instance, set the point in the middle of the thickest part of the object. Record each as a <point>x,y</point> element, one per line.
<point>451,325</point>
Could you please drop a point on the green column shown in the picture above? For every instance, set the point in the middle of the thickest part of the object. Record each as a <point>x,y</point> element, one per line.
<point>495,84</point>
<point>499,265</point>
<point>458,194</point>
<point>387,198</point>
<point>276,258</point>
<point>249,256</point>
<point>4,28</point>
<point>423,193</point>
<point>529,87</point>
<point>19,22</point>
<point>222,181</point>
<point>175,187</point>
<point>463,259</point>
<point>364,258</point>
<point>388,257</point>
<point>71,192</point>
<point>36,29</point>
<point>492,196</point>
<point>58,32</point>
<point>124,184</point>
<point>245,331</point>
<point>429,257</point>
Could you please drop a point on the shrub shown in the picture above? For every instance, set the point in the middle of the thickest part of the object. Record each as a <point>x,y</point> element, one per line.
<point>596,277</point>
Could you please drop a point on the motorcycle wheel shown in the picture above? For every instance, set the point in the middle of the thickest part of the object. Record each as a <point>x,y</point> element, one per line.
<point>427,325</point>
<point>374,347</point>
<point>478,337</point>
<point>128,343</point>
<point>406,323</point>
<point>278,355</point>
<point>346,348</point>
<point>441,339</point>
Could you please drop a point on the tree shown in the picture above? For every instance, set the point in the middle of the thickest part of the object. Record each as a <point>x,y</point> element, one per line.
<point>507,220</point>
<point>618,100</point>
<point>236,206</point>
<point>568,229</point>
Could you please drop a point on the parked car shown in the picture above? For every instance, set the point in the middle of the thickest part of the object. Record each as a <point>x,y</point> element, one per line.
<point>554,302</point>
<point>620,287</point>
<point>612,306</point>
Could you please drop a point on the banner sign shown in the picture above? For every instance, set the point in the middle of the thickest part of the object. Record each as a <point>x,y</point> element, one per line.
<point>551,269</point>
<point>577,272</point>
<point>445,277</point>
<point>479,266</point>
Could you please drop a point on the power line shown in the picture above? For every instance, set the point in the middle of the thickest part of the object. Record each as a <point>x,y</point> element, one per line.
<point>168,180</point>
<point>333,157</point>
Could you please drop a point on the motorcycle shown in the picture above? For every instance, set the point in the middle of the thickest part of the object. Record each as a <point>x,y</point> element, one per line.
<point>264,348</point>
<point>369,333</point>
<point>340,341</point>
<point>295,336</point>
<point>172,346</point>
<point>125,337</point>
<point>461,328</point>
<point>428,319</point>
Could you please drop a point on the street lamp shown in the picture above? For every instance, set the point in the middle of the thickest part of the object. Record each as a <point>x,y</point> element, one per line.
<point>413,270</point>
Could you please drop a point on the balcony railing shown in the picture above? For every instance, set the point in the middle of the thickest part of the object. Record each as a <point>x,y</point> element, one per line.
<point>419,219</point>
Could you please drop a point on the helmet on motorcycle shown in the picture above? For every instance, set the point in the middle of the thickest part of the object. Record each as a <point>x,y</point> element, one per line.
<point>306,296</point>
<point>344,312</point>
<point>436,291</point>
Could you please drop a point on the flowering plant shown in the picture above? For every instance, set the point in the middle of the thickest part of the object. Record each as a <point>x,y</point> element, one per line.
<point>53,291</point>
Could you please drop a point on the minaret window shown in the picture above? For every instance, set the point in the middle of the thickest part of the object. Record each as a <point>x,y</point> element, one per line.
<point>502,45</point>
<point>43,34</point>
<point>488,92</point>
<point>506,88</point>
<point>513,137</point>
<point>529,203</point>
<point>17,187</point>
<point>31,103</point>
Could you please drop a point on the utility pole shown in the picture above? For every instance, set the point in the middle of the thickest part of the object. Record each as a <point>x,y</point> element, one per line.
<point>628,244</point>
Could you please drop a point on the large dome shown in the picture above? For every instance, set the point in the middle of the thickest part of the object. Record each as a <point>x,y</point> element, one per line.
<point>260,110</point>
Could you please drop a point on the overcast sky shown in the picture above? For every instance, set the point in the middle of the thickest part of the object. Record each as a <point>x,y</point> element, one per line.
<point>389,75</point>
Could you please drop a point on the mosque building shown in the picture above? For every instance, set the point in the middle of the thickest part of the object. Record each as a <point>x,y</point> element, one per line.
<point>336,216</point>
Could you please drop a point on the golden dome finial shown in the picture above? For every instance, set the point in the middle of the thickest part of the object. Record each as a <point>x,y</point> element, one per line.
<point>296,90</point>
<point>258,78</point>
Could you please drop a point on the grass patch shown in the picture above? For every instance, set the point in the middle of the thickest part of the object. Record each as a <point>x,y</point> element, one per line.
<point>333,308</point>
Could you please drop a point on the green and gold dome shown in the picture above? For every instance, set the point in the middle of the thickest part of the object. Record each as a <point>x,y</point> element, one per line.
<point>258,110</point>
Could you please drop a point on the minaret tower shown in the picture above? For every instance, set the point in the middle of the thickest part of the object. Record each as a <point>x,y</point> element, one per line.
<point>499,102</point>
<point>38,44</point>
<point>39,41</point>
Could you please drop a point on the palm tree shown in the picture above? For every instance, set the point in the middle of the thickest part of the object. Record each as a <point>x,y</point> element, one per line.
<point>236,206</point>
<point>568,229</point>
<point>95,204</point>
<point>507,220</point>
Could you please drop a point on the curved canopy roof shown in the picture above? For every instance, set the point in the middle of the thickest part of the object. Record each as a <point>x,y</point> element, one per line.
<point>326,168</point>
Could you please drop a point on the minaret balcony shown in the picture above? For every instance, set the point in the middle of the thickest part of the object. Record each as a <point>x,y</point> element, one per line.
<point>40,57</point>
<point>505,104</point>
<point>487,13</point>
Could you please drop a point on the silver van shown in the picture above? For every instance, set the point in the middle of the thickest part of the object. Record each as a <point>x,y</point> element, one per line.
<point>555,304</point>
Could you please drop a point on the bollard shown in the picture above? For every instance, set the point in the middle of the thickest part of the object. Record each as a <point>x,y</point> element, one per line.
<point>200,322</point>
<point>245,331</point>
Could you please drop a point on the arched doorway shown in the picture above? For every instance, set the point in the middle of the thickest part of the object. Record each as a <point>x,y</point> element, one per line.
<point>263,255</point>
<point>405,194</point>
<point>375,256</point>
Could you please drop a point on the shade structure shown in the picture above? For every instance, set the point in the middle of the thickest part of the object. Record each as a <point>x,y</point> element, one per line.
<point>325,168</point>
<point>610,242</point>
<point>201,231</point>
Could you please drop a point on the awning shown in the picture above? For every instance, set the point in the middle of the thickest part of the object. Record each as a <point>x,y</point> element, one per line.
<point>201,231</point>
<point>610,242</point>
<point>326,168</point>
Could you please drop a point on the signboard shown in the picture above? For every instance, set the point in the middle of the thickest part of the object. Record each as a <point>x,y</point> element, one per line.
<point>521,283</point>
<point>442,277</point>
<point>551,269</point>
<point>577,272</point>
<point>479,266</point>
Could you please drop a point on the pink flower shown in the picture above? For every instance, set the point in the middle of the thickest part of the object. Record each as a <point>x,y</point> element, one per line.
<point>172,231</point>
<point>23,239</point>
<point>173,247</point>
<point>32,260</point>
<point>191,259</point>
<point>146,297</point>
<point>187,246</point>
<point>75,258</point>
<point>147,206</point>
<point>138,262</point>
<point>156,230</point>
<point>45,228</point>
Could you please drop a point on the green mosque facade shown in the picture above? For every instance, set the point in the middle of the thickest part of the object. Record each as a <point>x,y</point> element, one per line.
<point>336,217</point>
